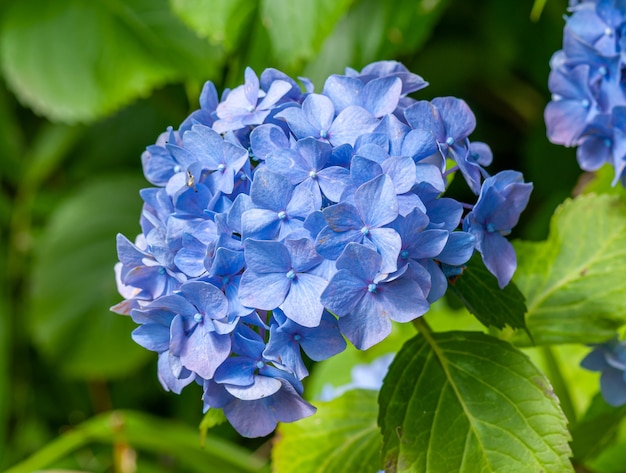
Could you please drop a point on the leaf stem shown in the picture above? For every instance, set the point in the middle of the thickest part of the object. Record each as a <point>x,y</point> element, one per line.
<point>559,384</point>
<point>422,326</point>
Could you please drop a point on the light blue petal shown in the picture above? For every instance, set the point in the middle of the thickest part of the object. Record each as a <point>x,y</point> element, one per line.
<point>351,122</point>
<point>302,304</point>
<point>376,201</point>
<point>263,291</point>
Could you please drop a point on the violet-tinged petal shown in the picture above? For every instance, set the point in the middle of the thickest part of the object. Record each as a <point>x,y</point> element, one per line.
<point>204,350</point>
<point>351,122</point>
<point>380,96</point>
<point>263,291</point>
<point>343,292</point>
<point>364,326</point>
<point>459,120</point>
<point>258,418</point>
<point>266,139</point>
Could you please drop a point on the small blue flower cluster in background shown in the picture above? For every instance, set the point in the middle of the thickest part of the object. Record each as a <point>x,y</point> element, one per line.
<point>282,222</point>
<point>610,359</point>
<point>588,107</point>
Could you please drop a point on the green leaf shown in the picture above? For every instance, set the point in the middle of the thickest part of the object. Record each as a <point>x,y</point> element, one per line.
<point>220,21</point>
<point>601,182</point>
<point>467,402</point>
<point>74,285</point>
<point>575,281</point>
<point>298,29</point>
<point>336,371</point>
<point>146,433</point>
<point>597,429</point>
<point>393,28</point>
<point>478,289</point>
<point>341,436</point>
<point>212,418</point>
<point>78,61</point>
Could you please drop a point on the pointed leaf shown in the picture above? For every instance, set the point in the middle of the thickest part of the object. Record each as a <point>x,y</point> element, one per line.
<point>297,29</point>
<point>575,281</point>
<point>478,289</point>
<point>467,402</point>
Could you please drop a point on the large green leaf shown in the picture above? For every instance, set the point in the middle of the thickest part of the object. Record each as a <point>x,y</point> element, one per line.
<point>74,285</point>
<point>298,29</point>
<point>478,289</point>
<point>341,436</point>
<point>221,21</point>
<point>468,402</point>
<point>575,281</point>
<point>72,60</point>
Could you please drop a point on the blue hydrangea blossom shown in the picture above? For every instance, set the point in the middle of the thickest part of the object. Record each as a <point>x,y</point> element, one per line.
<point>610,359</point>
<point>588,106</point>
<point>282,222</point>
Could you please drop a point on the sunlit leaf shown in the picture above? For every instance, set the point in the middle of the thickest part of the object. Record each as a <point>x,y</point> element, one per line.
<point>297,29</point>
<point>575,281</point>
<point>341,436</point>
<point>467,402</point>
<point>77,61</point>
<point>221,21</point>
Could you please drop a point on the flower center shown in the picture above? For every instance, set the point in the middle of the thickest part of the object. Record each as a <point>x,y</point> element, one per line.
<point>198,317</point>
<point>250,108</point>
<point>221,167</point>
<point>282,215</point>
<point>291,274</point>
<point>371,287</point>
<point>365,230</point>
<point>297,337</point>
<point>260,364</point>
<point>225,280</point>
<point>312,174</point>
<point>323,134</point>
<point>162,271</point>
<point>449,141</point>
<point>177,168</point>
<point>404,254</point>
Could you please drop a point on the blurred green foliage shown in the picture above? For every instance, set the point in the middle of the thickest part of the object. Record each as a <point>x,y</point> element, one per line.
<point>85,86</point>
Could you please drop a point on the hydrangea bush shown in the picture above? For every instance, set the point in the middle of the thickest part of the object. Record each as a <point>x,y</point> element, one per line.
<point>292,234</point>
<point>284,221</point>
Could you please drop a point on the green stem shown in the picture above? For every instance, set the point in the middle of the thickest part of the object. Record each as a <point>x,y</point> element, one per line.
<point>537,9</point>
<point>559,384</point>
<point>422,326</point>
<point>149,433</point>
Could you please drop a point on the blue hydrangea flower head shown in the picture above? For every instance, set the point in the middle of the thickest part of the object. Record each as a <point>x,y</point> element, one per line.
<point>610,359</point>
<point>282,222</point>
<point>587,85</point>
